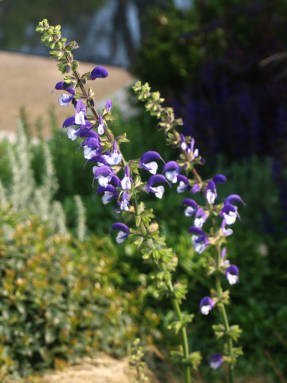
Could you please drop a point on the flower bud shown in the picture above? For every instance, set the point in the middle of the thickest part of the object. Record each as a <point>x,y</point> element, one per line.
<point>153,227</point>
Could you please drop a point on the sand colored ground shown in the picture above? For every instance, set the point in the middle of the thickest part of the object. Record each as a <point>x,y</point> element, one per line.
<point>28,81</point>
<point>105,369</point>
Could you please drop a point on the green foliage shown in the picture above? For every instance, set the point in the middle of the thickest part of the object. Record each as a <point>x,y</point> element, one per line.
<point>21,192</point>
<point>21,13</point>
<point>257,302</point>
<point>165,46</point>
<point>178,43</point>
<point>253,180</point>
<point>60,298</point>
<point>259,257</point>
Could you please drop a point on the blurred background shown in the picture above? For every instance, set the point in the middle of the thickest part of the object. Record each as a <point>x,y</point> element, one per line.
<point>223,68</point>
<point>108,31</point>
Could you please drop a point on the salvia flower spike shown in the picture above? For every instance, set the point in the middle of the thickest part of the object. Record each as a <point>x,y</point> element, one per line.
<point>211,220</point>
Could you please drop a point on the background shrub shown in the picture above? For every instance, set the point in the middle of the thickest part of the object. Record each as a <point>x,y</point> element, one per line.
<point>258,248</point>
<point>208,64</point>
<point>61,298</point>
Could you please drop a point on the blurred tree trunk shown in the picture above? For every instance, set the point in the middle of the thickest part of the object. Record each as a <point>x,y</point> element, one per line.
<point>121,26</point>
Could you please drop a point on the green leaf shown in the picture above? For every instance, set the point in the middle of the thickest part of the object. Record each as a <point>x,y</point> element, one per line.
<point>218,330</point>
<point>235,332</point>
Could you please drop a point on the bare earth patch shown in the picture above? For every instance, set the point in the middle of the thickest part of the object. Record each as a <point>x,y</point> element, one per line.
<point>28,81</point>
<point>105,369</point>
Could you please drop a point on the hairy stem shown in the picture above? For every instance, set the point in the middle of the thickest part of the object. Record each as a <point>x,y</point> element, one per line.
<point>223,314</point>
<point>184,339</point>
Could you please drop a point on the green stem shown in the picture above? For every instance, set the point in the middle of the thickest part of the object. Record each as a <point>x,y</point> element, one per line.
<point>223,314</point>
<point>184,339</point>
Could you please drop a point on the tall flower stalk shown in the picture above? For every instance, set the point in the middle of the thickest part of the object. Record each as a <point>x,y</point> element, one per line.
<point>217,218</point>
<point>119,181</point>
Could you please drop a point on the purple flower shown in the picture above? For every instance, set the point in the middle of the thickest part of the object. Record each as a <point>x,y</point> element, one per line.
<point>110,193</point>
<point>74,130</point>
<point>191,151</point>
<point>225,232</point>
<point>206,305</point>
<point>123,233</point>
<point>86,131</point>
<point>72,133</point>
<point>126,182</point>
<point>232,274</point>
<point>158,191</point>
<point>147,161</point>
<point>115,157</point>
<point>210,192</point>
<point>69,122</point>
<point>195,188</point>
<point>200,217</point>
<point>171,170</point>
<point>233,198</point>
<point>101,126</point>
<point>183,184</point>
<point>98,72</point>
<point>115,180</point>
<point>199,239</point>
<point>183,144</point>
<point>92,155</point>
<point>91,147</point>
<point>102,174</point>
<point>229,213</point>
<point>109,105</point>
<point>215,361</point>
<point>195,230</point>
<point>99,159</point>
<point>61,85</point>
<point>223,255</point>
<point>125,201</point>
<point>80,113</point>
<point>92,141</point>
<point>65,99</point>
<point>191,207</point>
<point>219,179</point>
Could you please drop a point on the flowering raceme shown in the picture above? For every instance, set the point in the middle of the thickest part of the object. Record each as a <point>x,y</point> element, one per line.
<point>119,182</point>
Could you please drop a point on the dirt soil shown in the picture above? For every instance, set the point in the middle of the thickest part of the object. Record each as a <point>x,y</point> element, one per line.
<point>105,369</point>
<point>28,81</point>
